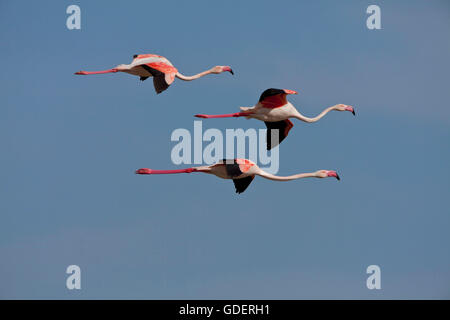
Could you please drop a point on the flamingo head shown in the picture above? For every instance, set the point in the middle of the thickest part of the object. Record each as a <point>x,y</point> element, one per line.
<point>327,173</point>
<point>144,171</point>
<point>220,69</point>
<point>344,107</point>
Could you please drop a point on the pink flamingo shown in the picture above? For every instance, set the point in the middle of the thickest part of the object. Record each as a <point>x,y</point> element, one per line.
<point>274,109</point>
<point>158,67</point>
<point>242,171</point>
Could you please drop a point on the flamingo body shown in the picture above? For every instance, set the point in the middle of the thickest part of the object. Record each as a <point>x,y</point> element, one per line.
<point>241,171</point>
<point>274,109</point>
<point>160,68</point>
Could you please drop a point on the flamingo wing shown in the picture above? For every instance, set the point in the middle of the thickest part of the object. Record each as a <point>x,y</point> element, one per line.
<point>243,183</point>
<point>275,98</point>
<point>283,128</point>
<point>236,167</point>
<point>143,56</point>
<point>163,74</point>
<point>160,84</point>
<point>232,168</point>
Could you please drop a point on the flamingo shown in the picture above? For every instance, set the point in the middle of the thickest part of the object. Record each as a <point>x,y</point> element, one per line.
<point>242,171</point>
<point>274,109</point>
<point>158,67</point>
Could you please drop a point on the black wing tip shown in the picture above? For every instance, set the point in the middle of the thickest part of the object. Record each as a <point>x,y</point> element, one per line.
<point>160,91</point>
<point>277,125</point>
<point>242,184</point>
<point>271,145</point>
<point>274,89</point>
<point>270,92</point>
<point>160,84</point>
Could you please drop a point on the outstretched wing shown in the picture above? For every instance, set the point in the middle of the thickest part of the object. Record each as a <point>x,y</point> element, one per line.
<point>283,128</point>
<point>162,67</point>
<point>160,84</point>
<point>163,74</point>
<point>232,167</point>
<point>144,56</point>
<point>243,183</point>
<point>275,98</point>
<point>236,167</point>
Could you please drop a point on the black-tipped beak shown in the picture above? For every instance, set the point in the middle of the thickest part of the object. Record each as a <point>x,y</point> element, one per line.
<point>354,112</point>
<point>337,177</point>
<point>231,71</point>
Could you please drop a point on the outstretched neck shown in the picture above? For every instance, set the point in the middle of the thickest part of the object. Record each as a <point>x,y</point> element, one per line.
<point>301,117</point>
<point>287,178</point>
<point>196,76</point>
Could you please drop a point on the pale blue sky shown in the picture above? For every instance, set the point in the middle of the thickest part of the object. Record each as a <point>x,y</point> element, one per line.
<point>70,145</point>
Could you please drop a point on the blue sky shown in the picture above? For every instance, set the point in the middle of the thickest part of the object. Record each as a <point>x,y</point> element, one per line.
<point>70,145</point>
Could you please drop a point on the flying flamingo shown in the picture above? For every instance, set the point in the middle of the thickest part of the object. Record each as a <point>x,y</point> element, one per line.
<point>274,109</point>
<point>158,67</point>
<point>242,171</point>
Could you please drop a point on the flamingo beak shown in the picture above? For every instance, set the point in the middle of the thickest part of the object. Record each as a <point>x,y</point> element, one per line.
<point>228,69</point>
<point>332,173</point>
<point>351,109</point>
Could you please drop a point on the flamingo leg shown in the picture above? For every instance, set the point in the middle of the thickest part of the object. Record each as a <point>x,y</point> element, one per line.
<point>229,115</point>
<point>97,72</point>
<point>151,171</point>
